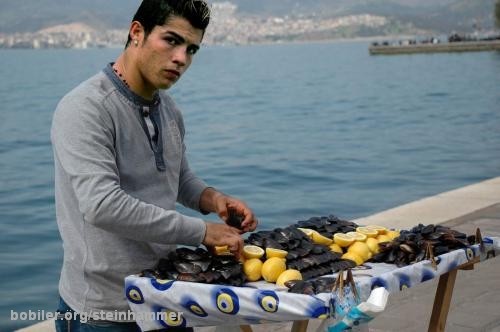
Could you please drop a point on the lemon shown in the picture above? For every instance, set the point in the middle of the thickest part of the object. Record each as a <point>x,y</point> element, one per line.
<point>379,229</point>
<point>372,244</point>
<point>272,268</point>
<point>287,275</point>
<point>383,238</point>
<point>272,252</point>
<point>361,249</point>
<point>343,240</point>
<point>222,250</point>
<point>251,251</point>
<point>307,231</point>
<point>353,257</point>
<point>357,236</point>
<point>252,268</point>
<point>320,239</point>
<point>392,234</point>
<point>367,231</point>
<point>336,248</point>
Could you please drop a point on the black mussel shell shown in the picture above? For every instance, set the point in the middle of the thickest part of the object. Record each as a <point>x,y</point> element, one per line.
<point>319,249</point>
<point>187,267</point>
<point>164,265</point>
<point>272,243</point>
<point>439,250</point>
<point>302,287</point>
<point>280,238</point>
<point>292,254</point>
<point>229,271</point>
<point>203,264</point>
<point>210,276</point>
<point>187,254</point>
<point>149,273</point>
<point>191,277</point>
<point>234,219</point>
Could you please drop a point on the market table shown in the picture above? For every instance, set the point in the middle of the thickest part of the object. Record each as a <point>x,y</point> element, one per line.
<point>157,302</point>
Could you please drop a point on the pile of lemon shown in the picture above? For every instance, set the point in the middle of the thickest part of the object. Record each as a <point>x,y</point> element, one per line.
<point>361,245</point>
<point>272,269</point>
<point>358,246</point>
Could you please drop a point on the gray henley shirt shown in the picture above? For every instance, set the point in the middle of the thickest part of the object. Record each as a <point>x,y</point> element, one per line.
<point>115,208</point>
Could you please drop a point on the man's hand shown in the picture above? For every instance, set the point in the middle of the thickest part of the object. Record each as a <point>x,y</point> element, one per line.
<point>224,235</point>
<point>225,205</point>
<point>214,201</point>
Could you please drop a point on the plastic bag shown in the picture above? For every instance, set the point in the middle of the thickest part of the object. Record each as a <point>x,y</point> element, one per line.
<point>358,317</point>
<point>344,294</point>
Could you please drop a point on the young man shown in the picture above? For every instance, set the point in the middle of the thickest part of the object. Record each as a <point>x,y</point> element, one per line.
<point>120,167</point>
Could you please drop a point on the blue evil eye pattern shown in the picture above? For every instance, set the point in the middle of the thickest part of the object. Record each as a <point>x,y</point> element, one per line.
<point>378,282</point>
<point>321,312</point>
<point>227,301</point>
<point>427,275</point>
<point>268,301</point>
<point>404,281</point>
<point>162,285</point>
<point>134,295</point>
<point>194,308</point>
<point>169,318</point>
<point>452,266</point>
<point>469,253</point>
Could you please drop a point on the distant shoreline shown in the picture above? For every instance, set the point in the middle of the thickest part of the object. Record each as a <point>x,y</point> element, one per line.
<point>298,41</point>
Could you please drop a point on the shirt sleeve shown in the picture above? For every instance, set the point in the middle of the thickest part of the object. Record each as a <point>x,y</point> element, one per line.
<point>190,186</point>
<point>83,141</point>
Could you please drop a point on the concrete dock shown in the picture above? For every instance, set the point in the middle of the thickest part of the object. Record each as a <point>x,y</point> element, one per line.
<point>467,46</point>
<point>475,302</point>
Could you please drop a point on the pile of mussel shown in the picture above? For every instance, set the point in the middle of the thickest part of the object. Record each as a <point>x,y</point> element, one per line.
<point>328,226</point>
<point>312,260</point>
<point>198,265</point>
<point>421,242</point>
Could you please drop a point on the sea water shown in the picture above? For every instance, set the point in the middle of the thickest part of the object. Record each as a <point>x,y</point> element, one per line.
<point>295,130</point>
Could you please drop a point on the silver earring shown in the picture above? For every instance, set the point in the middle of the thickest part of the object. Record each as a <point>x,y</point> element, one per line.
<point>136,42</point>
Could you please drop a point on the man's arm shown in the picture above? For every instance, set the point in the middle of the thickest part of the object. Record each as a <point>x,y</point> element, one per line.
<point>83,142</point>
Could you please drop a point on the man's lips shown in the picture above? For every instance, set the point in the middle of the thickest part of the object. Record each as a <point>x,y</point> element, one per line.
<point>173,73</point>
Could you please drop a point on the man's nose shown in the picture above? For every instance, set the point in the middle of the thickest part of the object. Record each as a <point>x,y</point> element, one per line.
<point>180,56</point>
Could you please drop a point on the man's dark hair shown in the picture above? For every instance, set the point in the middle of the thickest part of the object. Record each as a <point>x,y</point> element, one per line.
<point>156,12</point>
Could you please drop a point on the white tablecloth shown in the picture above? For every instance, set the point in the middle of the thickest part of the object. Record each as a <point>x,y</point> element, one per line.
<point>262,302</point>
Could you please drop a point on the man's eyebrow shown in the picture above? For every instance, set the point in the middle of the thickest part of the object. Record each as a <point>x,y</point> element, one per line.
<point>176,35</point>
<point>181,39</point>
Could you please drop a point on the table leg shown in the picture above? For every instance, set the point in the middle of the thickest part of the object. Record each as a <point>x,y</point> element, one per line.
<point>300,326</point>
<point>442,301</point>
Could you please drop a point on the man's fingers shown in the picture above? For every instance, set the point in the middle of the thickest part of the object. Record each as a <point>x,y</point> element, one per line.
<point>237,247</point>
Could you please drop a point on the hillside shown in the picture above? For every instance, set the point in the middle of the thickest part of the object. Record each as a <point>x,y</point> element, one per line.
<point>33,15</point>
<point>441,16</point>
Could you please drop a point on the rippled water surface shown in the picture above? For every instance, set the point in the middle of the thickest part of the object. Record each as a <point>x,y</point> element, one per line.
<point>296,130</point>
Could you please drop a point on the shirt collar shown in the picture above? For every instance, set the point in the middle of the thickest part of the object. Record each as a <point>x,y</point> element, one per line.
<point>125,90</point>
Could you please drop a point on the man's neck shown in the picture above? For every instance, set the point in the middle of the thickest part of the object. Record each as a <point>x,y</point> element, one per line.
<point>127,70</point>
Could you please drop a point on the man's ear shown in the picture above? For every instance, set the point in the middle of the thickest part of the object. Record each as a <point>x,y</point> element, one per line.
<point>136,32</point>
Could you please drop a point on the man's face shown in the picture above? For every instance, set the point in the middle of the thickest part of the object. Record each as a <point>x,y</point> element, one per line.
<point>167,53</point>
